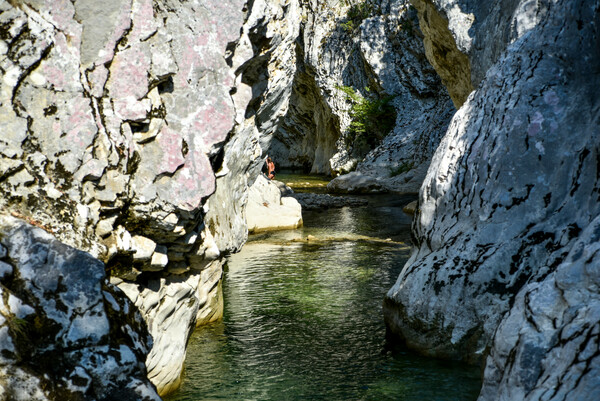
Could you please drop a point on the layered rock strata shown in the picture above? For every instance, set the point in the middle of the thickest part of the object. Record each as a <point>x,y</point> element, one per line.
<point>173,307</point>
<point>506,227</point>
<point>65,333</point>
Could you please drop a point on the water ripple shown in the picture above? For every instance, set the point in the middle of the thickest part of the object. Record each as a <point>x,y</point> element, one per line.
<point>304,322</point>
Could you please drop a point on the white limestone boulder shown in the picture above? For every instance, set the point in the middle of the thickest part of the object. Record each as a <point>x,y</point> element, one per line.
<point>268,210</point>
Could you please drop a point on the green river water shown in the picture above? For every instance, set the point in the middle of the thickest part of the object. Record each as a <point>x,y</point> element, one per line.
<point>303,319</point>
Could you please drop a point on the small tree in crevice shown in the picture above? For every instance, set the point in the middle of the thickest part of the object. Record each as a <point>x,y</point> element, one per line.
<point>357,13</point>
<point>372,119</point>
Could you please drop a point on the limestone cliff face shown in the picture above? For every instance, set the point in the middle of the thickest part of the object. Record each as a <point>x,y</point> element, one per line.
<point>264,60</point>
<point>504,259</point>
<point>380,55</point>
<point>132,130</point>
<point>113,120</point>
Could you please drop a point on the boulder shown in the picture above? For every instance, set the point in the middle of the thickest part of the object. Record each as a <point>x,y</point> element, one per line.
<point>411,208</point>
<point>65,332</point>
<point>356,183</point>
<point>406,179</point>
<point>267,210</point>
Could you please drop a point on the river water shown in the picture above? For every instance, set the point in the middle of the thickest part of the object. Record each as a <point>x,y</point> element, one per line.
<point>303,319</point>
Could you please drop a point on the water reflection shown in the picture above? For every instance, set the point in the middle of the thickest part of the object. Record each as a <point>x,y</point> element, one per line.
<point>303,321</point>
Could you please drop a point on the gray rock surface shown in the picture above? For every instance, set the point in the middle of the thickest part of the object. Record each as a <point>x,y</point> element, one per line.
<point>173,306</point>
<point>65,332</point>
<point>118,126</point>
<point>381,56</point>
<point>310,201</point>
<point>358,183</point>
<point>547,347</point>
<point>510,197</point>
<point>113,117</point>
<point>264,59</point>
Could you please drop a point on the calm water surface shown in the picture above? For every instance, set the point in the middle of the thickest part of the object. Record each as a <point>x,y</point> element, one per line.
<point>303,320</point>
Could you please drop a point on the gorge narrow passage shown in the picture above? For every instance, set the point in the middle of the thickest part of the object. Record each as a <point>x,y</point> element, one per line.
<point>303,319</point>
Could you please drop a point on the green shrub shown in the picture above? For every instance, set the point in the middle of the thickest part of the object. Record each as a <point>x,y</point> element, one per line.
<point>357,13</point>
<point>17,327</point>
<point>348,26</point>
<point>360,11</point>
<point>372,119</point>
<point>407,26</point>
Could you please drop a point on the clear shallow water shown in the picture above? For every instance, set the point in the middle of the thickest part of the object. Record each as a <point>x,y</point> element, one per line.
<point>303,320</point>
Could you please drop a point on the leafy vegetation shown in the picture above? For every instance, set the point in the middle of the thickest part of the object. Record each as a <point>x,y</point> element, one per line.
<point>407,26</point>
<point>372,119</point>
<point>357,13</point>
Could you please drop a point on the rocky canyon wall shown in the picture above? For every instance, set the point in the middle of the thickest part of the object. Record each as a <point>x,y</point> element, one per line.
<point>120,120</point>
<point>132,130</point>
<point>505,263</point>
<point>379,55</point>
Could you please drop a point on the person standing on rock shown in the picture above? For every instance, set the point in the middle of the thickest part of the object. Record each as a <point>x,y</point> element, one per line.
<point>270,168</point>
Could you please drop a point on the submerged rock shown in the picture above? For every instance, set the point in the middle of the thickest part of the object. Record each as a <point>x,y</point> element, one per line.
<point>65,332</point>
<point>356,183</point>
<point>510,202</point>
<point>310,201</point>
<point>411,208</point>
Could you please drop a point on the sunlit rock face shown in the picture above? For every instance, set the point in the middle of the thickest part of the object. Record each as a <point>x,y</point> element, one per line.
<point>113,119</point>
<point>547,345</point>
<point>110,115</point>
<point>264,59</point>
<point>268,210</point>
<point>381,57</point>
<point>65,333</point>
<point>506,229</point>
